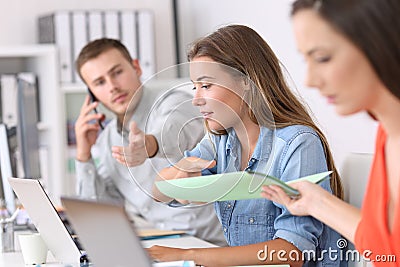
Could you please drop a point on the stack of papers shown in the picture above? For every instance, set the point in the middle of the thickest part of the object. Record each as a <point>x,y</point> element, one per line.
<point>228,186</point>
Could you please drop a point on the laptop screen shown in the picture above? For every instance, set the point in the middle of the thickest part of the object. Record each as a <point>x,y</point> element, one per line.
<point>106,233</point>
<point>46,219</point>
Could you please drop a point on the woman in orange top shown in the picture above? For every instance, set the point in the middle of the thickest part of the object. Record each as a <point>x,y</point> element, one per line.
<point>352,52</point>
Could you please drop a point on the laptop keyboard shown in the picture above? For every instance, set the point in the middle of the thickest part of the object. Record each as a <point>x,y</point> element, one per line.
<point>70,230</point>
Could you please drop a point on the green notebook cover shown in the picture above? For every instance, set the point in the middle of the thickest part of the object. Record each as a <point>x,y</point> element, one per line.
<point>228,186</point>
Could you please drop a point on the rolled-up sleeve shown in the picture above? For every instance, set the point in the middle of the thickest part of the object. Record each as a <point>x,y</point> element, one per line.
<point>302,156</point>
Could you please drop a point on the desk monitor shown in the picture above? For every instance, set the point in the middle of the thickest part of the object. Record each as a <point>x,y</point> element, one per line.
<point>46,219</point>
<point>28,117</point>
<point>7,165</point>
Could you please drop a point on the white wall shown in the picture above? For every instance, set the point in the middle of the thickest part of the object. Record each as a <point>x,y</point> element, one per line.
<point>271,19</point>
<point>18,20</point>
<point>198,17</point>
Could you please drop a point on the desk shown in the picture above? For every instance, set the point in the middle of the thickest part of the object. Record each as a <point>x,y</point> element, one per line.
<point>181,242</point>
<point>15,259</point>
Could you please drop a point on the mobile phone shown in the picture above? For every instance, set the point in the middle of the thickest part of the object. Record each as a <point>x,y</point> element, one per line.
<point>93,98</point>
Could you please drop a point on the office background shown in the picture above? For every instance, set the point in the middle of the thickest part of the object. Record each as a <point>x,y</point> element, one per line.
<point>196,18</point>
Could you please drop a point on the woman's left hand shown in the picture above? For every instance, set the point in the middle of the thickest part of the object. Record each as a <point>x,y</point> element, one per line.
<point>310,195</point>
<point>160,253</point>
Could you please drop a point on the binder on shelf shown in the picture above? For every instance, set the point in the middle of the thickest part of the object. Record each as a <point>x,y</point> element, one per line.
<point>112,24</point>
<point>9,99</point>
<point>56,28</point>
<point>31,95</point>
<point>146,43</point>
<point>71,138</point>
<point>27,130</point>
<point>79,38</point>
<point>129,32</point>
<point>96,26</point>
<point>71,30</point>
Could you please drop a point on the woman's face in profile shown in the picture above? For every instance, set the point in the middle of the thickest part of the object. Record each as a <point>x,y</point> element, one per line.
<point>335,65</point>
<point>218,95</point>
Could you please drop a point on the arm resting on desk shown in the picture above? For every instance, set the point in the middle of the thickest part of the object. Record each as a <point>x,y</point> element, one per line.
<point>228,256</point>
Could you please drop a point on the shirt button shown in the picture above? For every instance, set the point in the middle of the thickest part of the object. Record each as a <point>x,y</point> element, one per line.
<point>225,229</point>
<point>229,206</point>
<point>251,220</point>
<point>90,172</point>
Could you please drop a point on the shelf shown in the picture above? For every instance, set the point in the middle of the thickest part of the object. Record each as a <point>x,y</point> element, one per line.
<point>26,50</point>
<point>42,59</point>
<point>42,126</point>
<point>73,88</point>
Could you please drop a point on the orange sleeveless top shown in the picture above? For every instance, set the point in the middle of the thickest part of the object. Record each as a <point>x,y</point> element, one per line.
<point>372,236</point>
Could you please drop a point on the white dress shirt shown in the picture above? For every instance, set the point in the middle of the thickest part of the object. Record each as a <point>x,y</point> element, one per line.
<point>177,126</point>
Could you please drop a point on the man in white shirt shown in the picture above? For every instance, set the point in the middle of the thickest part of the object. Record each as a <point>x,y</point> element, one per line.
<point>153,126</point>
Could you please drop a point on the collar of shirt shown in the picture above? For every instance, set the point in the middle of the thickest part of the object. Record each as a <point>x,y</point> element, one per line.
<point>264,144</point>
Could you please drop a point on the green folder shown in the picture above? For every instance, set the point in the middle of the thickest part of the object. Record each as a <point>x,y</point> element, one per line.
<point>229,186</point>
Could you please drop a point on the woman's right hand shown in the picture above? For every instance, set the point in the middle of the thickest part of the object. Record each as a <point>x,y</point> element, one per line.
<point>86,132</point>
<point>186,167</point>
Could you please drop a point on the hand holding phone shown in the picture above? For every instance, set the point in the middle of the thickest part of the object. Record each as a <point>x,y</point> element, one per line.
<point>93,99</point>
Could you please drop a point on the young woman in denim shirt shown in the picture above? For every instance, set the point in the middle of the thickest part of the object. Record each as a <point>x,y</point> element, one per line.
<point>254,123</point>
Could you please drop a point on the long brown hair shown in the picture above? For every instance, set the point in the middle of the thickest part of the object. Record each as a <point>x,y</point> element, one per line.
<point>243,49</point>
<point>372,26</point>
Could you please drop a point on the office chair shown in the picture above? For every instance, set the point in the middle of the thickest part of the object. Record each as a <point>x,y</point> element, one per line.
<point>354,173</point>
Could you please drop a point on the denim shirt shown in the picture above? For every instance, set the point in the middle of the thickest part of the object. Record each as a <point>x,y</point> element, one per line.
<point>287,153</point>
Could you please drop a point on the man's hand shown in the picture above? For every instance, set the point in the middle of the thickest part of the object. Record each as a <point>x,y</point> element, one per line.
<point>85,132</point>
<point>141,147</point>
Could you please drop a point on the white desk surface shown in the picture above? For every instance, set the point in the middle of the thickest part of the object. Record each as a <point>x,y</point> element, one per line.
<point>15,259</point>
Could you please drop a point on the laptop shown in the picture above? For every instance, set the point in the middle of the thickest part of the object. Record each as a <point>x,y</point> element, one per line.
<point>47,221</point>
<point>108,235</point>
<point>92,222</point>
